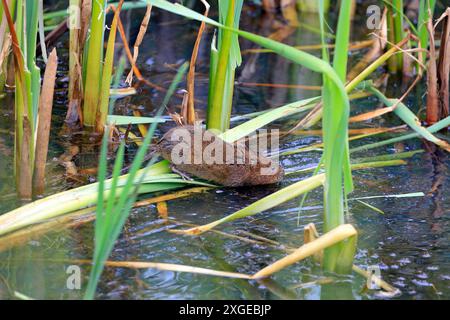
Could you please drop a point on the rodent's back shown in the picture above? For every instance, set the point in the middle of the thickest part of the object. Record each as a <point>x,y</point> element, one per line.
<point>198,152</point>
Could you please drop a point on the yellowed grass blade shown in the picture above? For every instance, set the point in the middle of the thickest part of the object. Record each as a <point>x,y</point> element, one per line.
<point>329,239</point>
<point>175,195</point>
<point>163,210</point>
<point>168,267</point>
<point>289,11</point>
<point>370,115</point>
<point>310,234</point>
<point>142,128</point>
<point>281,196</point>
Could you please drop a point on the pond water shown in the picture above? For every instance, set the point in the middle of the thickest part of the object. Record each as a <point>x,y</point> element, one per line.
<point>409,243</point>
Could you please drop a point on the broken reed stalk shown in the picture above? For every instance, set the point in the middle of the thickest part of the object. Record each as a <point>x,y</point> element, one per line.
<point>129,55</point>
<point>334,236</point>
<point>5,45</point>
<point>289,12</point>
<point>309,235</point>
<point>438,71</point>
<point>142,30</point>
<point>4,54</point>
<point>190,110</point>
<point>44,122</point>
<point>432,92</point>
<point>444,65</point>
<point>79,20</point>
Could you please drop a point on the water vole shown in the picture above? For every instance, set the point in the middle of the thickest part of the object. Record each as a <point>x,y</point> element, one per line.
<point>200,153</point>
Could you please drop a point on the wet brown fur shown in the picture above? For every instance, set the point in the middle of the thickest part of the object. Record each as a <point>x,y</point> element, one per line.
<point>230,175</point>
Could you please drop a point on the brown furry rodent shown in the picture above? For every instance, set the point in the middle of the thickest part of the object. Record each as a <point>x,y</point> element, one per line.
<point>198,152</point>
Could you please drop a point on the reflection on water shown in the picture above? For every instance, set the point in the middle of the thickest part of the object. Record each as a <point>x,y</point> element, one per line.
<point>410,242</point>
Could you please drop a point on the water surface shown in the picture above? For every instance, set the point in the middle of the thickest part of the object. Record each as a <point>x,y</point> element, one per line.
<point>409,242</point>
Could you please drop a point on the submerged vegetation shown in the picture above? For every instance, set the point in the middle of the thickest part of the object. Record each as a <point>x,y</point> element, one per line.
<point>417,51</point>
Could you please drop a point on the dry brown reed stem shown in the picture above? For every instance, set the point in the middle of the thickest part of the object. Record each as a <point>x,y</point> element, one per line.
<point>432,81</point>
<point>3,32</point>
<point>44,122</point>
<point>444,64</point>
<point>142,30</point>
<point>190,112</point>
<point>129,55</point>
<point>289,11</point>
<point>77,44</point>
<point>5,43</point>
<point>86,11</point>
<point>4,52</point>
<point>180,119</point>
